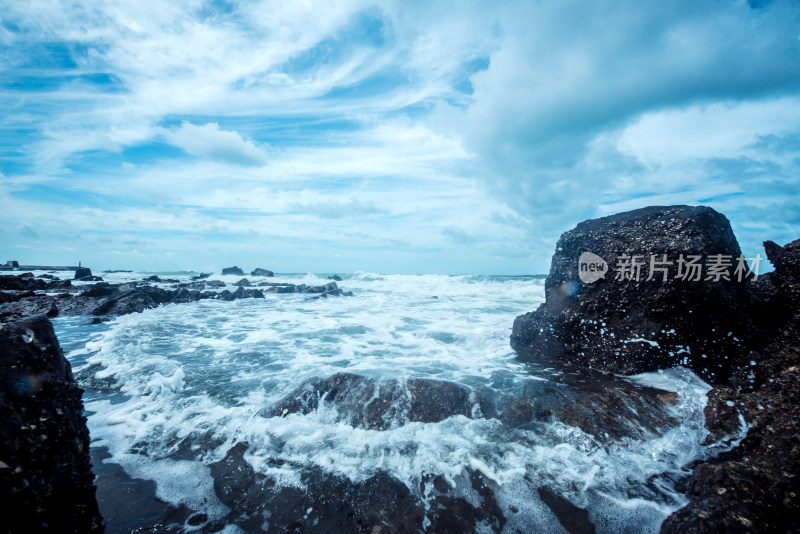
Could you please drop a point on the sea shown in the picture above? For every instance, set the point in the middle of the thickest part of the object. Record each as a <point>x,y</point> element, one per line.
<point>170,391</point>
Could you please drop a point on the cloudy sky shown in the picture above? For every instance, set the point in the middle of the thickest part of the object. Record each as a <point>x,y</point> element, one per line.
<point>397,136</point>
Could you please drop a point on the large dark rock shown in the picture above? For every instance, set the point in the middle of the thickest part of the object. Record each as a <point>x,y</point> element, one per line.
<point>46,482</point>
<point>233,270</point>
<point>378,405</point>
<point>331,503</point>
<point>755,487</point>
<point>85,274</point>
<point>258,271</point>
<point>21,283</point>
<point>627,326</point>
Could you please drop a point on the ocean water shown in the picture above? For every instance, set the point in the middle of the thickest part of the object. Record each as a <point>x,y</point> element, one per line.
<point>170,391</point>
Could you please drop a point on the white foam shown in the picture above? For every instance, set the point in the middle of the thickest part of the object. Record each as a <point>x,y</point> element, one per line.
<point>208,372</point>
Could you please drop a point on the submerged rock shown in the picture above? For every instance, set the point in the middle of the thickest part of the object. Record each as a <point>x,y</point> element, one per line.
<point>46,482</point>
<point>379,405</point>
<point>620,319</point>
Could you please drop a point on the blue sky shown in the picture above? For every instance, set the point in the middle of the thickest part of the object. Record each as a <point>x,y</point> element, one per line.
<point>408,137</point>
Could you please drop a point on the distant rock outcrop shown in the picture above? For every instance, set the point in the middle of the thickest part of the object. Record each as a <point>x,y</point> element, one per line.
<point>236,271</point>
<point>647,298</point>
<point>258,271</point>
<point>46,482</point>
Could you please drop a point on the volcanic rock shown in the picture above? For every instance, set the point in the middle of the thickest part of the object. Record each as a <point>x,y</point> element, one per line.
<point>258,271</point>
<point>46,483</point>
<point>627,321</point>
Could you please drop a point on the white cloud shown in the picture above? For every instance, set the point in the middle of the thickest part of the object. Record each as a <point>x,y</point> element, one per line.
<point>209,141</point>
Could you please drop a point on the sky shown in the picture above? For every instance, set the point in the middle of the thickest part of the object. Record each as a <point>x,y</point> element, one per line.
<point>390,137</point>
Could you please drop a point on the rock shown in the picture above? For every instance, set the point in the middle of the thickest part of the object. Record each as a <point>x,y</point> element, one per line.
<point>103,289</point>
<point>366,403</point>
<point>605,406</point>
<point>755,486</point>
<point>201,276</point>
<point>258,271</point>
<point>14,296</point>
<point>325,502</point>
<point>241,293</point>
<point>215,284</point>
<point>233,270</point>
<point>46,484</point>
<point>82,272</point>
<point>153,278</point>
<point>244,282</point>
<point>18,283</point>
<point>33,305</point>
<point>335,278</point>
<point>628,326</point>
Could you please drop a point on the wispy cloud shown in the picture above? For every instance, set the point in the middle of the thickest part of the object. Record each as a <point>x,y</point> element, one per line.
<point>441,134</point>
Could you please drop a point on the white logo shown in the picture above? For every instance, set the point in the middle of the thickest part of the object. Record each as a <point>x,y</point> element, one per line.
<point>591,268</point>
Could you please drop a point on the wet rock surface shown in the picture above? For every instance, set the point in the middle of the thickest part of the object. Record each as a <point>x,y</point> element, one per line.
<point>628,326</point>
<point>755,486</point>
<point>26,295</point>
<point>46,482</point>
<point>329,503</point>
<point>378,405</point>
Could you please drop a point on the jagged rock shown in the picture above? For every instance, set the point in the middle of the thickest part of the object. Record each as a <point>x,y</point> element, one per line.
<point>244,282</point>
<point>367,403</point>
<point>14,296</point>
<point>331,503</point>
<point>241,293</point>
<point>17,283</point>
<point>215,284</point>
<point>33,305</point>
<point>153,278</point>
<point>46,482</point>
<point>335,278</point>
<point>258,271</point>
<point>628,326</point>
<point>755,486</point>
<point>201,276</point>
<point>233,270</point>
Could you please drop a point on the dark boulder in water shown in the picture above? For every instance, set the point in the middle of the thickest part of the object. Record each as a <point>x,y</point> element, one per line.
<point>635,303</point>
<point>335,278</point>
<point>258,271</point>
<point>82,272</point>
<point>46,482</point>
<point>244,282</point>
<point>233,271</point>
<point>379,405</point>
<point>327,502</point>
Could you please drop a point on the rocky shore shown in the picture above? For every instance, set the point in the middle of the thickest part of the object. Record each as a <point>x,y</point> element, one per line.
<point>27,295</point>
<point>737,330</point>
